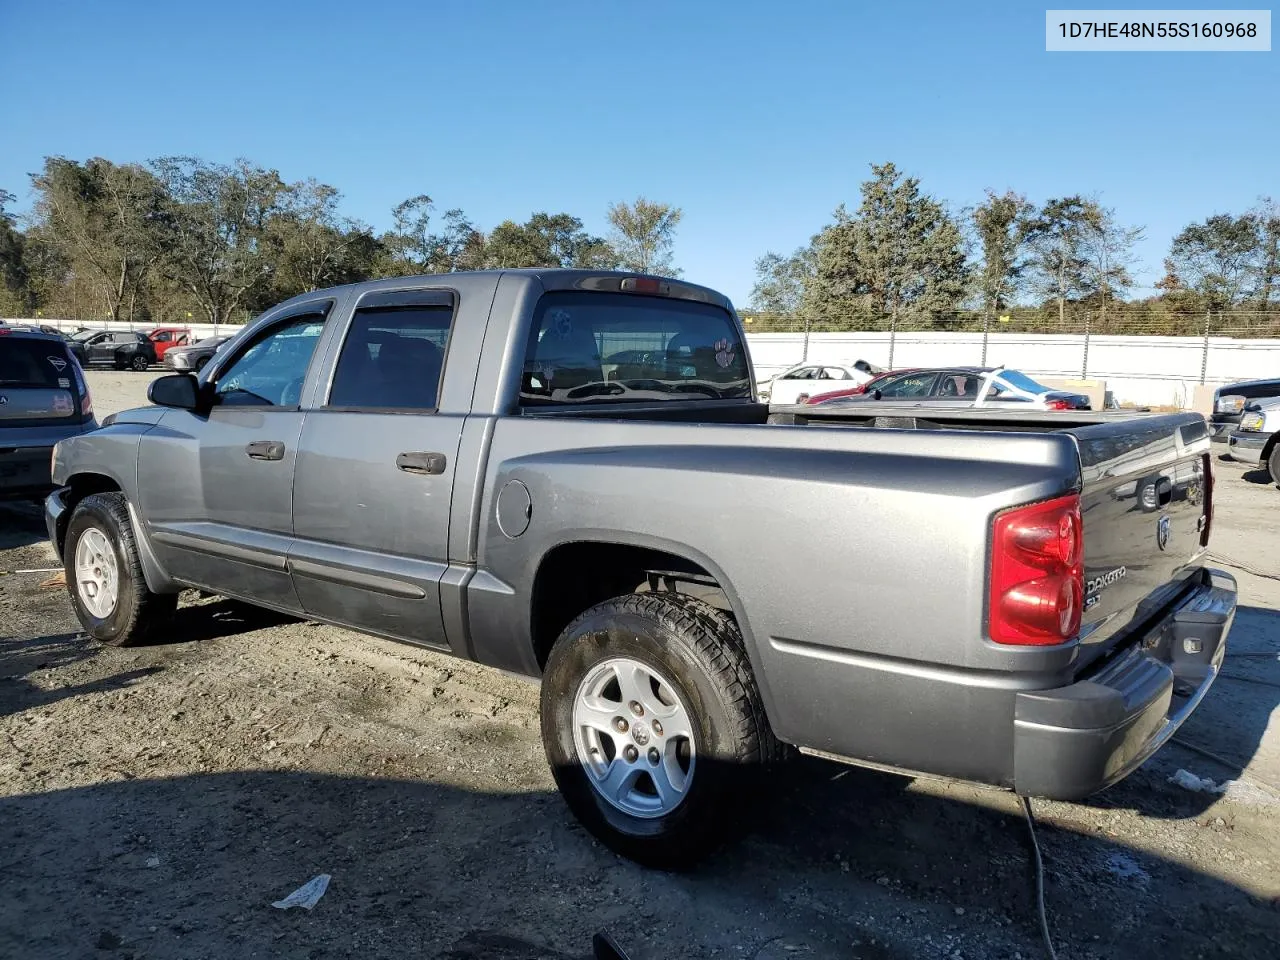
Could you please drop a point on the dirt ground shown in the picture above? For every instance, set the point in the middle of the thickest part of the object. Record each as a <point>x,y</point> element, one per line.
<point>154,802</point>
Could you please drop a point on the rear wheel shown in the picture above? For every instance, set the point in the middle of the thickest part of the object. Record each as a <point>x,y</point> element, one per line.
<point>104,575</point>
<point>654,727</point>
<point>140,363</point>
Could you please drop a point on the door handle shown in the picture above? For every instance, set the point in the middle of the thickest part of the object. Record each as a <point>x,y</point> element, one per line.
<point>265,450</point>
<point>424,463</point>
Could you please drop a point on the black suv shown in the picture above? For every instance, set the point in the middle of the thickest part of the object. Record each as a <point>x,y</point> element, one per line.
<point>122,349</point>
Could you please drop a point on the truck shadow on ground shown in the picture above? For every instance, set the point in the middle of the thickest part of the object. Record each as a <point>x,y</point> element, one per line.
<point>852,864</point>
<point>19,658</point>
<point>21,524</point>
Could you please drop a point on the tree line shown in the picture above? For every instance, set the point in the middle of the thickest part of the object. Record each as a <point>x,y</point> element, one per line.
<point>182,236</point>
<point>903,257</point>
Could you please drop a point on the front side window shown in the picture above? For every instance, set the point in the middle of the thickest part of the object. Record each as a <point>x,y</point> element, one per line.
<point>593,347</point>
<point>270,372</point>
<point>392,359</point>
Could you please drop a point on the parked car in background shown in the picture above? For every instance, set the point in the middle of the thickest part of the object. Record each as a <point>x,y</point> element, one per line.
<point>166,338</point>
<point>122,349</point>
<point>1257,439</point>
<point>445,461</point>
<point>1229,401</point>
<point>975,386</point>
<point>43,399</point>
<point>859,389</point>
<point>795,384</point>
<point>193,356</point>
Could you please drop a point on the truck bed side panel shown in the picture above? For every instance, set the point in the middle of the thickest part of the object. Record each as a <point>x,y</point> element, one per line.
<point>896,523</point>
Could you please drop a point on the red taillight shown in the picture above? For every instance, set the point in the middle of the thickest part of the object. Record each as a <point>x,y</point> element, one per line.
<point>641,285</point>
<point>1037,573</point>
<point>1208,500</point>
<point>1058,405</point>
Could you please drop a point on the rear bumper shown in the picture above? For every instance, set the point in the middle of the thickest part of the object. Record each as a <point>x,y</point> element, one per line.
<point>24,471</point>
<point>1076,740</point>
<point>1246,447</point>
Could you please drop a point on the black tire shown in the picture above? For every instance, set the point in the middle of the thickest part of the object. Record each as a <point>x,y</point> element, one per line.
<point>140,363</point>
<point>699,649</point>
<point>139,615</point>
<point>200,364</point>
<point>1273,464</point>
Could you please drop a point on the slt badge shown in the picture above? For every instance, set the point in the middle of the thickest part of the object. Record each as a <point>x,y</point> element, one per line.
<point>1162,531</point>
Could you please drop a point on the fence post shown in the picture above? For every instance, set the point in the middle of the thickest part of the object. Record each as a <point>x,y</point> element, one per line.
<point>986,330</point>
<point>805,357</point>
<point>893,333</point>
<point>1084,362</point>
<point>1204,353</point>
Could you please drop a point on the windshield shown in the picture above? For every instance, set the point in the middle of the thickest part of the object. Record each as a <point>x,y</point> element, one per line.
<point>589,346</point>
<point>209,342</point>
<point>1020,381</point>
<point>85,334</point>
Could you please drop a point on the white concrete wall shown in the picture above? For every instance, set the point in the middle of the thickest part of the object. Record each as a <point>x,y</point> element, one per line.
<point>1150,371</point>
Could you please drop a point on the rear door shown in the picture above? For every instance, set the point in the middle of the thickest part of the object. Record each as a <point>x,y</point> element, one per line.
<point>376,470</point>
<point>102,348</point>
<point>217,488</point>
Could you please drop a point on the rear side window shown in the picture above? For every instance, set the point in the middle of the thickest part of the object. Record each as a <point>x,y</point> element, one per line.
<point>35,363</point>
<point>601,347</point>
<point>393,359</point>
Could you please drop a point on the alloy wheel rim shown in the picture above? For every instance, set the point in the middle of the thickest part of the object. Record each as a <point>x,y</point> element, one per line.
<point>97,576</point>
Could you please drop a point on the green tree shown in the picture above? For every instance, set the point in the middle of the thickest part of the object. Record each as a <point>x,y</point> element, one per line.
<point>643,234</point>
<point>547,240</point>
<point>1059,258</point>
<point>1003,223</point>
<point>900,251</point>
<point>1108,250</point>
<point>413,248</point>
<point>1218,258</point>
<point>105,220</point>
<point>313,245</point>
<point>16,294</point>
<point>1267,282</point>
<point>781,281</point>
<point>217,222</point>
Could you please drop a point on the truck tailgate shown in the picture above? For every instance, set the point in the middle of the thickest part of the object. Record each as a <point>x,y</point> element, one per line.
<point>1146,507</point>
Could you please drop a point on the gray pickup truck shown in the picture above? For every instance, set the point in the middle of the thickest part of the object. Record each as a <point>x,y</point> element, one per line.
<point>567,475</point>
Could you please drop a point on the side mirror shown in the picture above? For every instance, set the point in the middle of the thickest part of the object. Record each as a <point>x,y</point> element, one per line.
<point>877,394</point>
<point>179,390</point>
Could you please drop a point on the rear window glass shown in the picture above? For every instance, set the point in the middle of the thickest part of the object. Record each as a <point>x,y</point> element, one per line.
<point>602,347</point>
<point>35,363</point>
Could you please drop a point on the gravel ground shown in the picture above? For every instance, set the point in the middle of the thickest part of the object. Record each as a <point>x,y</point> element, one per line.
<point>154,802</point>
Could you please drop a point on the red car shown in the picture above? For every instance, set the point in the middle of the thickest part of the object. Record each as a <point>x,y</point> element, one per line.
<point>165,338</point>
<point>855,391</point>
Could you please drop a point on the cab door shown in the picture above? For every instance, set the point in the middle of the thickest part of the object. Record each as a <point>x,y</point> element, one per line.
<point>217,485</point>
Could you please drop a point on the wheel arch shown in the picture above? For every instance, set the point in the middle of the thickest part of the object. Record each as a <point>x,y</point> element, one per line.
<point>597,568</point>
<point>86,483</point>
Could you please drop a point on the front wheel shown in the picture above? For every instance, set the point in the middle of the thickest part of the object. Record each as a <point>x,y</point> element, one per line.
<point>200,364</point>
<point>654,727</point>
<point>141,363</point>
<point>1273,464</point>
<point>104,575</point>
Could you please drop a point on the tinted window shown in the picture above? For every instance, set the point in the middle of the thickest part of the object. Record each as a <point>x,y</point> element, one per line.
<point>34,363</point>
<point>604,346</point>
<point>271,371</point>
<point>161,337</point>
<point>392,359</point>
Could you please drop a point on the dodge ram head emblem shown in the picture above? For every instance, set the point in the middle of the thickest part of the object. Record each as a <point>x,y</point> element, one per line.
<point>3,399</point>
<point>1162,532</point>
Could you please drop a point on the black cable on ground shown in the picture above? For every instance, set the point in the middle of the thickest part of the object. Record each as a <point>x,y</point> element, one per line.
<point>1035,845</point>
<point>1227,561</point>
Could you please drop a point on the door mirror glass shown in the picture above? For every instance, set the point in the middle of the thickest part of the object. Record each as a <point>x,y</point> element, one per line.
<point>177,390</point>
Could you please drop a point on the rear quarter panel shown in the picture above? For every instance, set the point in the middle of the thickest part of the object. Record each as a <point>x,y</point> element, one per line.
<point>843,648</point>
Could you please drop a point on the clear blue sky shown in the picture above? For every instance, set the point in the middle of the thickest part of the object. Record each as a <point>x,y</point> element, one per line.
<point>756,118</point>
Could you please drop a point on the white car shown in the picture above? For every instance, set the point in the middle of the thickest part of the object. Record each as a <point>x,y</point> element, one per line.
<point>1257,441</point>
<point>798,383</point>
